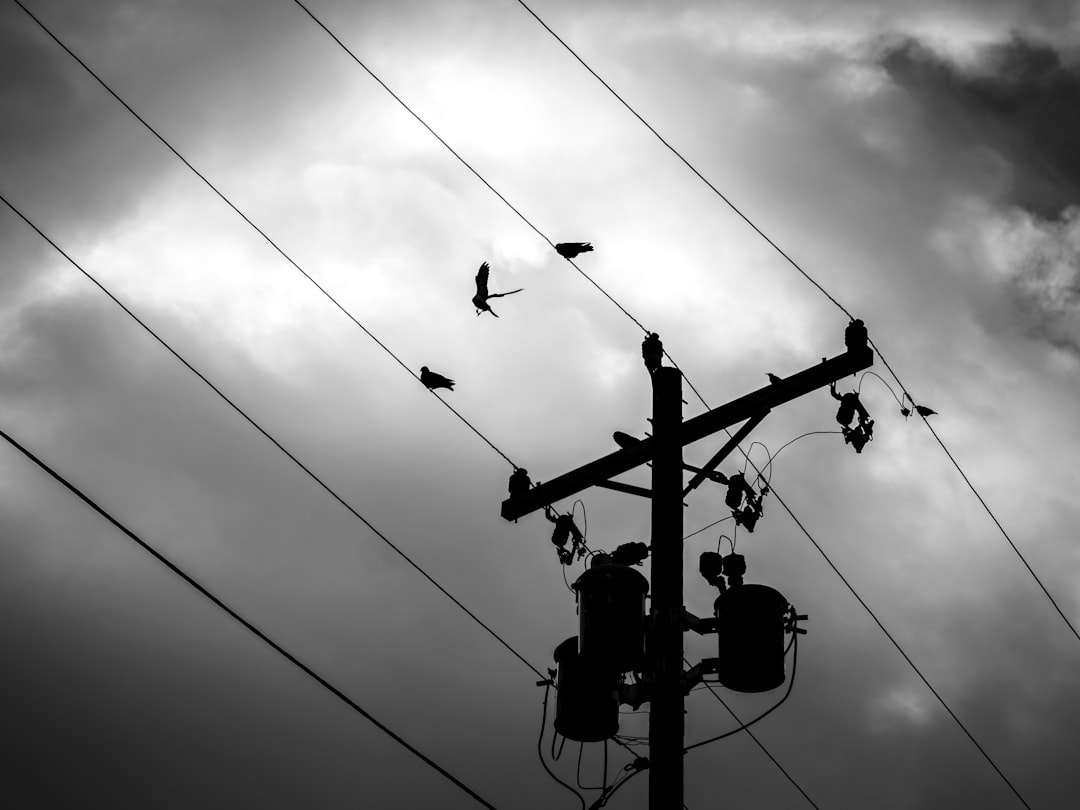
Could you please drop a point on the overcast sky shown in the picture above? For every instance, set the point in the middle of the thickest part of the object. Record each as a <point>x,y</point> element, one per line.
<point>917,158</point>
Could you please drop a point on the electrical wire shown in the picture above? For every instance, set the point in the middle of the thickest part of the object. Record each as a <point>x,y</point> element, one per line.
<point>905,656</point>
<point>272,440</point>
<point>260,231</point>
<point>462,160</point>
<point>604,292</point>
<point>634,769</point>
<point>540,745</point>
<point>768,465</point>
<point>745,726</point>
<point>877,621</point>
<point>796,266</point>
<point>247,625</point>
<point>705,528</point>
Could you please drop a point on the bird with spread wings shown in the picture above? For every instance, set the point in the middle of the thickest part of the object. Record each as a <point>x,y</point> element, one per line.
<point>480,300</point>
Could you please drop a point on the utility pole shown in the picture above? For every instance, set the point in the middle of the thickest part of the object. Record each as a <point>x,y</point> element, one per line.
<point>664,644</point>
<point>665,684</point>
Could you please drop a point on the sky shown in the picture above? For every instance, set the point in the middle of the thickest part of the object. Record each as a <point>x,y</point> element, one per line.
<point>917,159</point>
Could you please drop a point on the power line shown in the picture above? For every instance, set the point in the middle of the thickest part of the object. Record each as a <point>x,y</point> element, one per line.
<point>462,160</point>
<point>292,659</point>
<point>482,179</point>
<point>746,727</point>
<point>257,229</point>
<point>278,445</point>
<point>899,649</point>
<point>985,506</point>
<point>819,287</point>
<point>272,440</point>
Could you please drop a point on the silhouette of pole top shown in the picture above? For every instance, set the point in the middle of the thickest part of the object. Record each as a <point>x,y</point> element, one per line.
<point>652,351</point>
<point>748,407</point>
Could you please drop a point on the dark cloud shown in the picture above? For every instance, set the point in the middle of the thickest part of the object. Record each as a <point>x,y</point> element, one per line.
<point>1020,99</point>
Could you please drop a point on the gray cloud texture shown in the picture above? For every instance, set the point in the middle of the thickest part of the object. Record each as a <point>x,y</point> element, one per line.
<point>924,179</point>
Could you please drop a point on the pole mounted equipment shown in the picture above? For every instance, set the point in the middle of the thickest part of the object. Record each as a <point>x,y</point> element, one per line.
<point>750,620</point>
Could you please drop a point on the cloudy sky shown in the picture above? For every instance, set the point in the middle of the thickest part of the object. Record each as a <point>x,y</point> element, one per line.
<point>918,159</point>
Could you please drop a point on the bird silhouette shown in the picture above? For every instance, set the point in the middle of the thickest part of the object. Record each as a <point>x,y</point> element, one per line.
<point>924,411</point>
<point>570,250</point>
<point>773,378</point>
<point>433,380</point>
<point>480,300</point>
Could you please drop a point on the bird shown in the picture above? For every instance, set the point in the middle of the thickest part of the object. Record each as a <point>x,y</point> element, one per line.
<point>480,300</point>
<point>570,250</point>
<point>433,380</point>
<point>773,378</point>
<point>922,410</point>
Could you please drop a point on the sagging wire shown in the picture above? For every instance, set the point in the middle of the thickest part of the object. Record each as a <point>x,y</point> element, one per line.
<point>628,772</point>
<point>603,785</point>
<point>793,645</point>
<point>767,469</point>
<point>554,737</point>
<point>705,528</point>
<point>547,684</point>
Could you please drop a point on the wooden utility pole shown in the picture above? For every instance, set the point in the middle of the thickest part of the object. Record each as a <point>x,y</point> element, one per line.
<point>664,645</point>
<point>664,637</point>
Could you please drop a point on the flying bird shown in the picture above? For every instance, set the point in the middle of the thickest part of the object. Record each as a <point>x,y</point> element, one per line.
<point>480,300</point>
<point>433,380</point>
<point>570,250</point>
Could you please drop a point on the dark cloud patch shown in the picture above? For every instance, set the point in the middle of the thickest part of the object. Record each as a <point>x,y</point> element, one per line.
<point>1046,282</point>
<point>1020,99</point>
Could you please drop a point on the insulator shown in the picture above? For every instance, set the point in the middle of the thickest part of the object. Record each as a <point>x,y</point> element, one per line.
<point>711,566</point>
<point>612,614</point>
<point>750,632</point>
<point>587,703</point>
<point>519,482</point>
<point>734,568</point>
<point>855,335</point>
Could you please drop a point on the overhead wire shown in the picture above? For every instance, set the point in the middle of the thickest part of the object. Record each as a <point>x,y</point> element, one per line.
<point>595,284</point>
<point>247,625</point>
<point>546,683</point>
<point>257,229</point>
<point>250,420</point>
<point>745,725</point>
<point>795,265</point>
<point>463,161</point>
<point>469,166</point>
<point>843,309</point>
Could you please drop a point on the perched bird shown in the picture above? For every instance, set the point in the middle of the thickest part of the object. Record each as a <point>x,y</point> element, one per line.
<point>480,300</point>
<point>433,380</point>
<point>924,411</point>
<point>773,378</point>
<point>570,250</point>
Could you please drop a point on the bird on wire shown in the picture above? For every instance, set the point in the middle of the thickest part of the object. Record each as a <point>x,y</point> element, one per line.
<point>924,411</point>
<point>480,300</point>
<point>571,250</point>
<point>434,380</point>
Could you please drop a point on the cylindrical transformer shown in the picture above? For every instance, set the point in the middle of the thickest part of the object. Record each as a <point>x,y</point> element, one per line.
<point>611,605</point>
<point>587,704</point>
<point>750,631</point>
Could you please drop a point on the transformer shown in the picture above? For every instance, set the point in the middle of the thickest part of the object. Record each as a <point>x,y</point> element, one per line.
<point>750,631</point>
<point>587,703</point>
<point>611,606</point>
